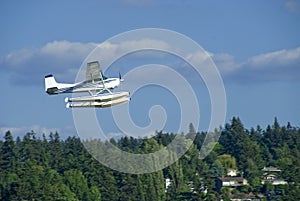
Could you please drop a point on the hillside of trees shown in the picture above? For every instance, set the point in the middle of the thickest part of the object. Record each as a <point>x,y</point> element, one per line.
<point>50,168</point>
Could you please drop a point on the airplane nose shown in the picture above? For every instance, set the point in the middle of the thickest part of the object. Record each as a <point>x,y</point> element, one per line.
<point>118,82</point>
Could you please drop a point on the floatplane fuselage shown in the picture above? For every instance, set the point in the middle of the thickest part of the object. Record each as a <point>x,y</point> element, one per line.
<point>98,86</point>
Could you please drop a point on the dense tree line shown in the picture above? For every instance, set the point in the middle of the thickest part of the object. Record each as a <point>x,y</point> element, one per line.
<point>50,168</point>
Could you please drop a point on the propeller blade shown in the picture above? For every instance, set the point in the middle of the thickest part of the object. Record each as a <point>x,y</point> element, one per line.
<point>120,77</point>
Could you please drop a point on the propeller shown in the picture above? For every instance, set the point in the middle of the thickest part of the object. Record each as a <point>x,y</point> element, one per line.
<point>121,80</point>
<point>120,77</point>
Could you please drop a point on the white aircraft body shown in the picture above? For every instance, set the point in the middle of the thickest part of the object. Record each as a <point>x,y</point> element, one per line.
<point>98,86</point>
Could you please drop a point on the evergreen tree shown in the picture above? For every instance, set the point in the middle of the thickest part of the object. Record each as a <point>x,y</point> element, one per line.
<point>227,161</point>
<point>8,155</point>
<point>77,183</point>
<point>108,186</point>
<point>55,147</point>
<point>56,169</point>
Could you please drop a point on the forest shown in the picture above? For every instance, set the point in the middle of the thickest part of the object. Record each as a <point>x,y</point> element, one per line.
<point>51,168</point>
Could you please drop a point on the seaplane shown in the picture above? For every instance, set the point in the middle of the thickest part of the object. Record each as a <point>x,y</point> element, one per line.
<point>96,85</point>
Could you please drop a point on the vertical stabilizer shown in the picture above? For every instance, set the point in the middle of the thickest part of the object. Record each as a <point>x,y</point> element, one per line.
<point>50,84</point>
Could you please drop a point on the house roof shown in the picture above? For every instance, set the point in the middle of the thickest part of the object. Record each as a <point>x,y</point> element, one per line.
<point>231,179</point>
<point>271,169</point>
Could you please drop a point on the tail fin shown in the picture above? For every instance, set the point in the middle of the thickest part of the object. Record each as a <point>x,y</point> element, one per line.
<point>50,84</point>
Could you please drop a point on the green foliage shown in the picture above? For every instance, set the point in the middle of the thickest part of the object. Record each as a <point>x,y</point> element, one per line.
<point>56,169</point>
<point>225,193</point>
<point>77,183</point>
<point>227,161</point>
<point>8,154</point>
<point>217,170</point>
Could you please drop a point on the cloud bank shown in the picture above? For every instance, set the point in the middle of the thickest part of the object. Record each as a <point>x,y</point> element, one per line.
<point>29,66</point>
<point>282,65</point>
<point>63,58</point>
<point>292,6</point>
<point>39,130</point>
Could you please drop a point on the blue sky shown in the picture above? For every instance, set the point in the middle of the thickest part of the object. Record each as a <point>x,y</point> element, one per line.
<point>255,44</point>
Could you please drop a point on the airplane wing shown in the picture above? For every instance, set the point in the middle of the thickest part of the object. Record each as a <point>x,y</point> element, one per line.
<point>93,71</point>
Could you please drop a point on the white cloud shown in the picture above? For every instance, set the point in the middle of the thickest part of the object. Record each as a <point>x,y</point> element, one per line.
<point>19,57</point>
<point>66,50</point>
<point>63,51</point>
<point>115,136</point>
<point>29,66</point>
<point>63,59</point>
<point>199,57</point>
<point>279,59</point>
<point>39,130</point>
<point>108,51</point>
<point>292,6</point>
<point>282,65</point>
<point>148,43</point>
<point>225,63</point>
